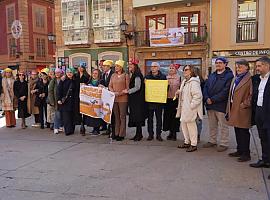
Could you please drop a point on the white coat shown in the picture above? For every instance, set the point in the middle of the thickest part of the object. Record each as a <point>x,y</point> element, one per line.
<point>190,101</point>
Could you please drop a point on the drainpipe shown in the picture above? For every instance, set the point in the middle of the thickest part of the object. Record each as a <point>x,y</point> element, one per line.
<point>210,38</point>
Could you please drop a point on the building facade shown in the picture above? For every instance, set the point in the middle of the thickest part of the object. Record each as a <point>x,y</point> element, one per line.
<point>242,31</point>
<point>168,31</point>
<point>89,31</point>
<point>25,25</point>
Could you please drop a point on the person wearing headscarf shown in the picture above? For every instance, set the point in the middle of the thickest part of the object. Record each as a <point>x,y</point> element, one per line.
<point>118,84</point>
<point>32,109</point>
<point>42,94</point>
<point>170,123</point>
<point>52,100</point>
<point>136,99</point>
<point>50,108</point>
<point>91,121</point>
<point>66,99</point>
<point>21,92</point>
<point>82,77</point>
<point>8,98</point>
<point>107,73</point>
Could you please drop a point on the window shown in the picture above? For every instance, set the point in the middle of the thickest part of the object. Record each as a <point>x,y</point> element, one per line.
<point>41,50</point>
<point>247,25</point>
<point>12,47</point>
<point>190,21</point>
<point>75,22</point>
<point>10,10</point>
<point>106,20</point>
<point>157,22</point>
<point>40,17</point>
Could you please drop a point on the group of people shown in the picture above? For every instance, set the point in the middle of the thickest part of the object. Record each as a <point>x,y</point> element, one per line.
<point>239,100</point>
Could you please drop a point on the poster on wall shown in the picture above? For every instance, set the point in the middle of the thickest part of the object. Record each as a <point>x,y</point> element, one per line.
<point>96,102</point>
<point>63,63</point>
<point>167,37</point>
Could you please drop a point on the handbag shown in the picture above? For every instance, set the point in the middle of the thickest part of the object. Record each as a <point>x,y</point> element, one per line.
<point>65,97</point>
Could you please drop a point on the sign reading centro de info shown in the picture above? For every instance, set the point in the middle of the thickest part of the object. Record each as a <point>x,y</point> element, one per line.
<point>140,3</point>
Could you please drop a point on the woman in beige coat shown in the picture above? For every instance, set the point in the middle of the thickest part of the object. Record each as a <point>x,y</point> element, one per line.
<point>239,109</point>
<point>189,107</point>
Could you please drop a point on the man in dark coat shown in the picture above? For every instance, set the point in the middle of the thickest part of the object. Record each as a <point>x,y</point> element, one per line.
<point>215,94</point>
<point>155,74</point>
<point>261,109</point>
<point>107,73</point>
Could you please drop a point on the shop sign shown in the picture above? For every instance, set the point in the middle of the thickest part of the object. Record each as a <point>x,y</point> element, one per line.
<point>251,52</point>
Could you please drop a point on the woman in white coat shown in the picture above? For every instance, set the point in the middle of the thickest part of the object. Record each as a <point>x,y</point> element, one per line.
<point>189,107</point>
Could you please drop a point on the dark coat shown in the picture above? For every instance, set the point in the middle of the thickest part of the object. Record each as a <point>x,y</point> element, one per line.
<point>0,84</point>
<point>91,121</point>
<point>136,103</point>
<point>255,83</point>
<point>150,76</point>
<point>20,90</point>
<point>106,82</point>
<point>217,88</point>
<point>63,91</point>
<point>266,100</point>
<point>42,88</point>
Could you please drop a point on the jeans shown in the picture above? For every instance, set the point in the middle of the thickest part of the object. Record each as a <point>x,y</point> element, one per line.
<point>199,125</point>
<point>58,121</point>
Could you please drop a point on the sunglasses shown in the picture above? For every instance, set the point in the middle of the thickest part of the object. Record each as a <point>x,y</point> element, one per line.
<point>186,69</point>
<point>21,74</point>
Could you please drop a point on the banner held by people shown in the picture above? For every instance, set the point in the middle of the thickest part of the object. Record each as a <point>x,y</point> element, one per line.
<point>96,102</point>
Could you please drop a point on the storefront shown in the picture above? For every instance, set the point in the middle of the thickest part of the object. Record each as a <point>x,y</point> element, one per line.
<point>250,55</point>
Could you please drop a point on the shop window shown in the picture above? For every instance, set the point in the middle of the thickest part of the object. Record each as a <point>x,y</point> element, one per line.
<point>10,15</point>
<point>247,21</point>
<point>106,16</point>
<point>190,21</point>
<point>164,64</point>
<point>75,23</point>
<point>41,47</point>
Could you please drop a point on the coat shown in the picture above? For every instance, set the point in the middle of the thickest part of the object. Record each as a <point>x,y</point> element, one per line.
<point>239,110</point>
<point>32,109</point>
<point>136,103</point>
<point>20,90</point>
<point>118,83</point>
<point>52,93</point>
<point>8,97</point>
<point>266,101</point>
<point>190,100</point>
<point>255,86</point>
<point>42,88</point>
<point>217,89</point>
<point>105,82</point>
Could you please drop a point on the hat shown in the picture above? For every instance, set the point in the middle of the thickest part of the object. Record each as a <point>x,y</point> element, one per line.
<point>120,63</point>
<point>45,71</point>
<point>176,66</point>
<point>58,70</point>
<point>134,61</point>
<point>222,59</point>
<point>71,70</point>
<point>155,64</point>
<point>8,70</point>
<point>108,62</point>
<point>82,64</point>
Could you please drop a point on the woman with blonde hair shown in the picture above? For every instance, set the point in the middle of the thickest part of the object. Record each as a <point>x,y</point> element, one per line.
<point>119,83</point>
<point>8,98</point>
<point>189,107</point>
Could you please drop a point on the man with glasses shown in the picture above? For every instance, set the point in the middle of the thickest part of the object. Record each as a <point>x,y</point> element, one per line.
<point>215,94</point>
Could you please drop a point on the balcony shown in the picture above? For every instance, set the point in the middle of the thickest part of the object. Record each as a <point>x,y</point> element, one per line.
<point>247,32</point>
<point>142,38</point>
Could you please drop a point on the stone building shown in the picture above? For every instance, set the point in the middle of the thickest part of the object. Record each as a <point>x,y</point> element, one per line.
<point>25,26</point>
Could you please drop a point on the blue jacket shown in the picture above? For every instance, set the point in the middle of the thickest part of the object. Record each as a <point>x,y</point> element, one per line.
<point>217,88</point>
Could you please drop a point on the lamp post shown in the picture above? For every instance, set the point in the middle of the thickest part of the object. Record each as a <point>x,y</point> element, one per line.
<point>128,35</point>
<point>51,38</point>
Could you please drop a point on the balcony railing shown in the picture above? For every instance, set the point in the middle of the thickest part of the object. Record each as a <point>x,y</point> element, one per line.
<point>142,38</point>
<point>247,32</point>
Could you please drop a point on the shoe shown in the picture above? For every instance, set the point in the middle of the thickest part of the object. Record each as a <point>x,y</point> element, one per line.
<point>134,138</point>
<point>209,145</point>
<point>150,138</point>
<point>61,129</point>
<point>191,148</point>
<point>42,126</point>
<point>82,131</point>
<point>235,154</point>
<point>137,139</point>
<point>55,131</point>
<point>183,146</point>
<point>260,164</point>
<point>221,148</point>
<point>244,158</point>
<point>169,137</point>
<point>95,133</point>
<point>120,138</point>
<point>113,137</point>
<point>159,138</point>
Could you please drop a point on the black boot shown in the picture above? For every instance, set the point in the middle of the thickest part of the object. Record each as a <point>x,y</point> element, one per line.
<point>169,137</point>
<point>174,136</point>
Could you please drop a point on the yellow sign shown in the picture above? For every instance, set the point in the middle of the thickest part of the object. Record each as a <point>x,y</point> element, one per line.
<point>156,91</point>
